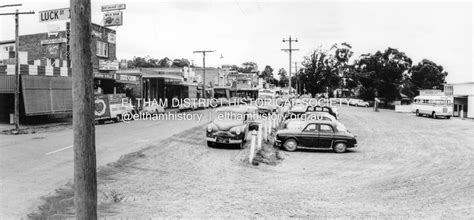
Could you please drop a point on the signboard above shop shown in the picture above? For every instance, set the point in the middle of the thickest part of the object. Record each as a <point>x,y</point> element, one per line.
<point>54,15</point>
<point>53,41</point>
<point>113,18</point>
<point>108,65</point>
<point>114,7</point>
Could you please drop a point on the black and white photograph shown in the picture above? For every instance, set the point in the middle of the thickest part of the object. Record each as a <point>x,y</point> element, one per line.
<point>236,109</point>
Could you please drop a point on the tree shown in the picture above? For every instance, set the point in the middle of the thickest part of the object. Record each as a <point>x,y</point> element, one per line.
<point>320,73</point>
<point>426,75</point>
<point>267,72</point>
<point>283,77</point>
<point>382,74</point>
<point>165,62</point>
<point>181,63</point>
<point>249,67</point>
<point>342,54</point>
<point>267,75</point>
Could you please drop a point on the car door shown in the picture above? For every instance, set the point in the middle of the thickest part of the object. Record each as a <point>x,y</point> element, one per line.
<point>325,136</point>
<point>308,135</point>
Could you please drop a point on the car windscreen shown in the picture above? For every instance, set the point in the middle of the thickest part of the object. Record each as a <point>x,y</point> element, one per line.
<point>298,125</point>
<point>229,116</point>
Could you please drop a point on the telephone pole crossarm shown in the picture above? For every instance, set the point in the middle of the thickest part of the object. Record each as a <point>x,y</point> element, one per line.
<point>290,50</point>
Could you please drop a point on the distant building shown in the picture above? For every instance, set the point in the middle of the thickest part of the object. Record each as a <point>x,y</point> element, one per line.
<point>463,94</point>
<point>212,76</point>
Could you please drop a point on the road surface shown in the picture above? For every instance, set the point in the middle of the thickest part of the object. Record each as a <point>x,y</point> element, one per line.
<point>405,167</point>
<point>34,165</point>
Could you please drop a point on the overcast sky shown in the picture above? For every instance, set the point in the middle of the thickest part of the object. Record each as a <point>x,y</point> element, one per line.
<point>253,30</point>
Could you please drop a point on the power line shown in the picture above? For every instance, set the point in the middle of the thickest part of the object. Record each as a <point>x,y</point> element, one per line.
<point>290,50</point>
<point>10,5</point>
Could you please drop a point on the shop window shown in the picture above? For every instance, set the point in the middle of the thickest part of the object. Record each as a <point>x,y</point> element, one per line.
<point>102,49</point>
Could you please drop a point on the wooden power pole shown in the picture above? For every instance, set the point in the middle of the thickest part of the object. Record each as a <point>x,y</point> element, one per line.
<point>204,68</point>
<point>290,50</point>
<point>85,177</point>
<point>17,63</point>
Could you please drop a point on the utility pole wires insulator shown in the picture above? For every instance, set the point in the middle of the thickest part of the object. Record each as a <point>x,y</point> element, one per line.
<point>290,50</point>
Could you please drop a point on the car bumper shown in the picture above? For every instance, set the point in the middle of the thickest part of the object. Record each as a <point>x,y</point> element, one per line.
<point>229,141</point>
<point>277,143</point>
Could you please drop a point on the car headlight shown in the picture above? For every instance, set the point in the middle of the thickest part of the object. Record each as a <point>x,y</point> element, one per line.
<point>210,127</point>
<point>238,131</point>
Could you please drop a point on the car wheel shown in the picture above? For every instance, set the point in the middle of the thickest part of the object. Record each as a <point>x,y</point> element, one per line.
<point>340,148</point>
<point>117,118</point>
<point>417,113</point>
<point>448,117</point>
<point>290,145</point>
<point>210,144</point>
<point>434,115</point>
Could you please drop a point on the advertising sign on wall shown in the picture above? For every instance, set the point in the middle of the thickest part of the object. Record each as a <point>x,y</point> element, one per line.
<point>53,41</point>
<point>108,65</point>
<point>111,38</point>
<point>113,18</point>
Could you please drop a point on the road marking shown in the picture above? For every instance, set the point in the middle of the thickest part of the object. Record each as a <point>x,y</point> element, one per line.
<point>64,148</point>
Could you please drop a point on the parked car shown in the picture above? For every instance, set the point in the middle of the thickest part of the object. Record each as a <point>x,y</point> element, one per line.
<point>316,135</point>
<point>315,116</point>
<point>362,103</point>
<point>267,107</point>
<point>230,125</point>
<point>327,109</point>
<point>297,108</point>
<point>188,106</point>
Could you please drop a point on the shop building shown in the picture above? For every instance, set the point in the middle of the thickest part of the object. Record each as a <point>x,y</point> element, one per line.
<point>463,94</point>
<point>162,83</point>
<point>45,74</point>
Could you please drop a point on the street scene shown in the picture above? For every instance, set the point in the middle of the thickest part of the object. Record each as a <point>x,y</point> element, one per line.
<point>142,109</point>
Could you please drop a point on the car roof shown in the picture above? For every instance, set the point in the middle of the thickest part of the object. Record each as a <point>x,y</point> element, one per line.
<point>232,109</point>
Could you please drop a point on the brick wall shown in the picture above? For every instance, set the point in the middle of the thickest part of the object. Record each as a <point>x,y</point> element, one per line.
<point>32,44</point>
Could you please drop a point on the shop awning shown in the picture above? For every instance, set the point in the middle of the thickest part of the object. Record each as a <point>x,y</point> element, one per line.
<point>169,74</point>
<point>7,84</point>
<point>44,95</point>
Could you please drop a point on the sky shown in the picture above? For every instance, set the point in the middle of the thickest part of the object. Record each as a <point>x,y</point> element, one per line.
<point>252,30</point>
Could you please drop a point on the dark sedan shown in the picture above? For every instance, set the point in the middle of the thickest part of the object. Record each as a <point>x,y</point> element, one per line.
<point>315,134</point>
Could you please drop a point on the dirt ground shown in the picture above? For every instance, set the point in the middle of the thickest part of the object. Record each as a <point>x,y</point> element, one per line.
<point>405,167</point>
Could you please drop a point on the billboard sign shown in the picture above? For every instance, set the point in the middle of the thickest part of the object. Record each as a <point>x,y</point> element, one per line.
<point>113,18</point>
<point>114,7</point>
<point>54,15</point>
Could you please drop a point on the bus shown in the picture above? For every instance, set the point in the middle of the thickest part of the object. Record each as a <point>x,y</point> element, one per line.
<point>267,93</point>
<point>433,106</point>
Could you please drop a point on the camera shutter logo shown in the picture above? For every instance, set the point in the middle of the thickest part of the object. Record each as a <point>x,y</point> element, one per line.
<point>100,107</point>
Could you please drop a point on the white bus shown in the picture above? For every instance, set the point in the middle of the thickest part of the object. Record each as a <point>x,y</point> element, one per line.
<point>267,93</point>
<point>434,106</point>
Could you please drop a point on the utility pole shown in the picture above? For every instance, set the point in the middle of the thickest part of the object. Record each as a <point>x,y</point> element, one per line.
<point>204,68</point>
<point>296,77</point>
<point>290,50</point>
<point>17,64</point>
<point>85,177</point>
